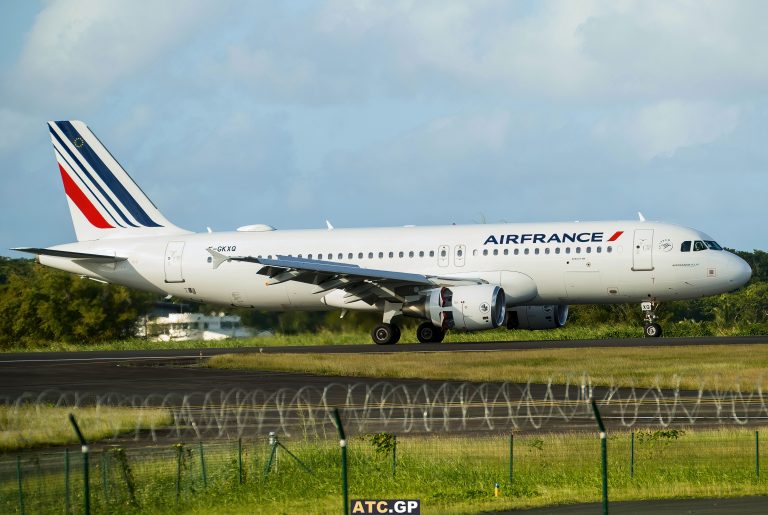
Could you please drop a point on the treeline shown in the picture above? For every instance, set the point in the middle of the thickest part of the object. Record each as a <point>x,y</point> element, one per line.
<point>39,305</point>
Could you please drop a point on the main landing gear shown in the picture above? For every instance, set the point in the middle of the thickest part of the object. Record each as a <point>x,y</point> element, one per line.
<point>389,334</point>
<point>385,334</point>
<point>428,333</point>
<point>651,328</point>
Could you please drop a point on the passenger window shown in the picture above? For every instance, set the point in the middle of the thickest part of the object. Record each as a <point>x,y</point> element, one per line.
<point>485,252</point>
<point>459,252</point>
<point>567,250</point>
<point>578,250</point>
<point>381,255</point>
<point>443,253</point>
<point>506,252</point>
<point>698,245</point>
<point>557,250</point>
<point>495,252</point>
<point>609,249</point>
<point>401,254</point>
<point>410,254</point>
<point>341,256</point>
<point>359,255</point>
<point>589,250</point>
<point>599,249</point>
<point>349,256</point>
<point>309,256</point>
<point>546,251</point>
<point>536,251</point>
<point>517,252</point>
<point>391,254</point>
<point>474,252</point>
<point>527,251</point>
<point>685,247</point>
<point>431,253</point>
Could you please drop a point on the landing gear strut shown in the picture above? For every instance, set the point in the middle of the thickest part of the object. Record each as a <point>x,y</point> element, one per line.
<point>385,334</point>
<point>651,328</point>
<point>428,333</point>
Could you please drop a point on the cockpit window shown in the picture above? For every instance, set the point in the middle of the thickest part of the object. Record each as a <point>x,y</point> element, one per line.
<point>685,247</point>
<point>713,245</point>
<point>699,245</point>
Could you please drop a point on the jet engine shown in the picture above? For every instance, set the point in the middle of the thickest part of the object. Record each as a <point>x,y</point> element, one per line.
<point>537,317</point>
<point>468,308</point>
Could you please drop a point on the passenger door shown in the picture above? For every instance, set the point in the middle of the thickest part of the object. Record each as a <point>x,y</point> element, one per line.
<point>642,250</point>
<point>173,253</point>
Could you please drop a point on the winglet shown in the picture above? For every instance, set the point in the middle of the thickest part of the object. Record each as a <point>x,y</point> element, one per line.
<point>218,258</point>
<point>640,216</point>
<point>328,224</point>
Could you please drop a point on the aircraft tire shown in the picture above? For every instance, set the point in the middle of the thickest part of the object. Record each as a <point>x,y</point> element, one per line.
<point>385,334</point>
<point>428,333</point>
<point>652,330</point>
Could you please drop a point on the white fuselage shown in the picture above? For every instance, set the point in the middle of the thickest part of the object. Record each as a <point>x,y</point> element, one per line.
<point>560,263</point>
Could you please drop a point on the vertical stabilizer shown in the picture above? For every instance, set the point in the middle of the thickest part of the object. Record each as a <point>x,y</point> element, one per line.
<point>103,199</point>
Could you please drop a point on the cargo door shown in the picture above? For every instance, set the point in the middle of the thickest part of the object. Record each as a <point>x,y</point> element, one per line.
<point>642,250</point>
<point>173,253</point>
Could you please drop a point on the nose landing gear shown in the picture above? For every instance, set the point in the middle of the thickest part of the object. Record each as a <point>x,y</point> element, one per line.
<point>651,328</point>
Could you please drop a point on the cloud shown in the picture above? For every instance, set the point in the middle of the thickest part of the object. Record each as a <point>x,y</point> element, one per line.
<point>660,129</point>
<point>75,53</point>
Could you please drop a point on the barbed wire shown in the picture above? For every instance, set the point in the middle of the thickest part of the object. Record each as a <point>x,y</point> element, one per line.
<point>414,408</point>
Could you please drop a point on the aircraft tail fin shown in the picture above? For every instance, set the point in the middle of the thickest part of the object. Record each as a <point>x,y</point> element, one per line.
<point>103,199</point>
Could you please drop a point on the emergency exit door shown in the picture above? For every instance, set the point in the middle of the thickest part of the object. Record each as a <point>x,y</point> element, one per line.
<point>173,253</point>
<point>642,250</point>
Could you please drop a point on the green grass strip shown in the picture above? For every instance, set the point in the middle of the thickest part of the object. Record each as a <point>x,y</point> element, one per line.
<point>706,366</point>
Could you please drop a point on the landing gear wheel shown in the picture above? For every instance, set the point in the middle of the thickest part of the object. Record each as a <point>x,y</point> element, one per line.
<point>385,334</point>
<point>428,333</point>
<point>650,327</point>
<point>652,330</point>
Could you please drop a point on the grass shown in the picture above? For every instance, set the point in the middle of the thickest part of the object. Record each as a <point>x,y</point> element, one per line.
<point>328,337</point>
<point>449,474</point>
<point>707,366</point>
<point>35,425</point>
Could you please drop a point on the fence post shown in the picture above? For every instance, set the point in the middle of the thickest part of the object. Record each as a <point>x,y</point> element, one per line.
<point>180,452</point>
<point>632,455</point>
<point>757,454</point>
<point>511,457</point>
<point>202,465</point>
<point>343,445</point>
<point>66,481</point>
<point>394,455</point>
<point>86,461</point>
<point>240,460</point>
<point>105,474</point>
<point>20,481</point>
<point>603,454</point>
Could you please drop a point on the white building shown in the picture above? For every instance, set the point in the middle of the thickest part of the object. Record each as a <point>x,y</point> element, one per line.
<point>193,326</point>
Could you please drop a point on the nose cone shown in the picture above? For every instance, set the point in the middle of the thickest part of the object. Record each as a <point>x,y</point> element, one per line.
<point>739,273</point>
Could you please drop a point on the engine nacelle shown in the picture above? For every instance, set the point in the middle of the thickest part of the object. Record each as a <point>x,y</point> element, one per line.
<point>468,308</point>
<point>537,317</point>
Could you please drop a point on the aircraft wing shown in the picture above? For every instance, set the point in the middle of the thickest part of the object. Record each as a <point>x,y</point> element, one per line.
<point>366,284</point>
<point>91,258</point>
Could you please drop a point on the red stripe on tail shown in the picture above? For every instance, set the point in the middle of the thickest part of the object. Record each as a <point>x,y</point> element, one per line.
<point>81,201</point>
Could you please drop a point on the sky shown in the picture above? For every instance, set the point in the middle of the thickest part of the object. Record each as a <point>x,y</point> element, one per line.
<point>371,113</point>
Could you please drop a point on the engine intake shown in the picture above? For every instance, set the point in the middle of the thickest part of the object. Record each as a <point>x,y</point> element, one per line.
<point>468,308</point>
<point>537,317</point>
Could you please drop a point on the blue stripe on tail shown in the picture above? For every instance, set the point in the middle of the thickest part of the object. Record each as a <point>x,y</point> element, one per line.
<point>107,176</point>
<point>90,178</point>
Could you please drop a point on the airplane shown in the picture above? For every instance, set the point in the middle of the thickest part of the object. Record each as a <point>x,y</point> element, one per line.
<point>454,277</point>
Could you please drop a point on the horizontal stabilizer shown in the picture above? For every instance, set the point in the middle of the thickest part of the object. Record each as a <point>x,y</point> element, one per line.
<point>95,258</point>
